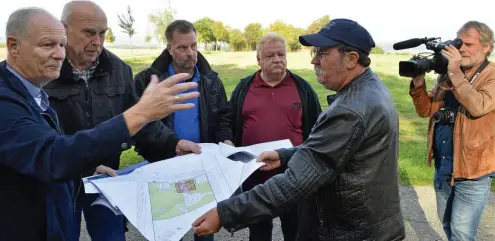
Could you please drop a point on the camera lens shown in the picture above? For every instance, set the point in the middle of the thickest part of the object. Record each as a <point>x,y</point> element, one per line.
<point>437,117</point>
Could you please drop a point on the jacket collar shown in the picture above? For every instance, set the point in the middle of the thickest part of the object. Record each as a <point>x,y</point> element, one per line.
<point>15,85</point>
<point>367,73</point>
<point>162,62</point>
<point>104,66</point>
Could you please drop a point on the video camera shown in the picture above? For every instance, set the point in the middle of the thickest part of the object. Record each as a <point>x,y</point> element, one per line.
<point>422,63</point>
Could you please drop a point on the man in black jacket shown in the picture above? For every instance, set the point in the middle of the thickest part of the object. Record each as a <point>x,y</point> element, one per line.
<point>94,86</point>
<point>346,172</point>
<point>272,104</point>
<point>209,120</point>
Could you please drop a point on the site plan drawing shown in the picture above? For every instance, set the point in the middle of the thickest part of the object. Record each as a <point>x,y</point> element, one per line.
<point>169,200</point>
<point>162,199</point>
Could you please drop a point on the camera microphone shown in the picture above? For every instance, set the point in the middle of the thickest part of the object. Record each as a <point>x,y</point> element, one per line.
<point>411,43</point>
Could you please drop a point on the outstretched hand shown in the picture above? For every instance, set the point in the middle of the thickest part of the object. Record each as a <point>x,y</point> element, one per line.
<point>160,99</point>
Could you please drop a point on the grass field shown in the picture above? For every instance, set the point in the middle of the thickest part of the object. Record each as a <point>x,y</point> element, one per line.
<point>232,66</point>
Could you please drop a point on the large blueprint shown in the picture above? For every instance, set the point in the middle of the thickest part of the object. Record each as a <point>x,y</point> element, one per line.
<point>162,199</point>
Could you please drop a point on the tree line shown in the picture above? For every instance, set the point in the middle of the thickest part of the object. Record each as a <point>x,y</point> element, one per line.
<point>215,35</point>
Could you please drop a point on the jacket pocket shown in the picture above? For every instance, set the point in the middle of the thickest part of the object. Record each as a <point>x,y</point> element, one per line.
<point>479,156</point>
<point>107,102</point>
<point>295,115</point>
<point>213,108</point>
<point>61,94</point>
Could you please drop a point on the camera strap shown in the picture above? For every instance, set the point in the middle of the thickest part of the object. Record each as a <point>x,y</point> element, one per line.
<point>475,76</point>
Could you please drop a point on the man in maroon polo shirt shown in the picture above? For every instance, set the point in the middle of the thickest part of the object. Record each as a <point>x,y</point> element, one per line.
<point>272,104</point>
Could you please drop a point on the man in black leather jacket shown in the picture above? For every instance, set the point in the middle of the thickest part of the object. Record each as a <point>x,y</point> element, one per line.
<point>346,173</point>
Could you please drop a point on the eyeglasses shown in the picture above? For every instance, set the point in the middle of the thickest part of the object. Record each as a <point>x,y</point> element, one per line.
<point>318,53</point>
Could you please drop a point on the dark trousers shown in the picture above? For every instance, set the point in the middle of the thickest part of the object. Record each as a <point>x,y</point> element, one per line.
<point>262,231</point>
<point>202,238</point>
<point>102,224</point>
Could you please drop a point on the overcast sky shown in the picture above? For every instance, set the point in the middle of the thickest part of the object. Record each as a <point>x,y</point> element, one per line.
<point>384,19</point>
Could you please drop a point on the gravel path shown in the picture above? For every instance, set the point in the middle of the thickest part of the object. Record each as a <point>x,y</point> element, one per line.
<point>419,210</point>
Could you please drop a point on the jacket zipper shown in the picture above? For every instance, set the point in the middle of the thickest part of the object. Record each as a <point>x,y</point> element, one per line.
<point>203,117</point>
<point>319,213</point>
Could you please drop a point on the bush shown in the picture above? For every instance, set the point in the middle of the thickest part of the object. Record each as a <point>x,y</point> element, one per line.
<point>377,50</point>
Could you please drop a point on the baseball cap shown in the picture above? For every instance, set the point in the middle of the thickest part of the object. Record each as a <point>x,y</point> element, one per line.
<point>340,31</point>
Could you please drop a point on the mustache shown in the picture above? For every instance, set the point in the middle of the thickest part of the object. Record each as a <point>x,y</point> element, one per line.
<point>318,70</point>
<point>190,59</point>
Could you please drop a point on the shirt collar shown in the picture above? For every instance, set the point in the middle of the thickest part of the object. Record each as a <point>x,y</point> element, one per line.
<point>32,89</point>
<point>259,82</point>
<point>196,72</point>
<point>92,66</point>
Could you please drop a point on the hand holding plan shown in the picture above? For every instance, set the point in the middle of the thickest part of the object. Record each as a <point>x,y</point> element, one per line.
<point>162,199</point>
<point>271,160</point>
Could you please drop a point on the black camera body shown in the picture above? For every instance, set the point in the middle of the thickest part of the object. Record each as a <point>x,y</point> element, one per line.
<point>445,116</point>
<point>424,64</point>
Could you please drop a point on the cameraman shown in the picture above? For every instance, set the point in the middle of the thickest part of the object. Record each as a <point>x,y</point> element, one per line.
<point>461,137</point>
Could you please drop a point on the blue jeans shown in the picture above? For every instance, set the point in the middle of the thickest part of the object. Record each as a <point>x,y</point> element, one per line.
<point>460,207</point>
<point>102,224</point>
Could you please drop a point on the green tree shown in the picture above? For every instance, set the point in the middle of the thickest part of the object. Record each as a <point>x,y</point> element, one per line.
<point>253,33</point>
<point>109,37</point>
<point>317,24</point>
<point>160,20</point>
<point>147,39</point>
<point>219,32</point>
<point>290,33</point>
<point>237,40</point>
<point>205,31</point>
<point>127,25</point>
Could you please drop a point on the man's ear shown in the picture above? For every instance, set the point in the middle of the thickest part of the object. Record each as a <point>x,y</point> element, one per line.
<point>258,59</point>
<point>169,48</point>
<point>13,45</point>
<point>353,59</point>
<point>487,49</point>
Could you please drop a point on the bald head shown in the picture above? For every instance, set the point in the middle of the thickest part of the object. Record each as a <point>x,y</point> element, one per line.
<point>85,25</point>
<point>77,9</point>
<point>22,20</point>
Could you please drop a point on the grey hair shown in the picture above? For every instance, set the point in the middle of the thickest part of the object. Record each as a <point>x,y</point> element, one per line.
<point>18,22</point>
<point>486,33</point>
<point>269,37</point>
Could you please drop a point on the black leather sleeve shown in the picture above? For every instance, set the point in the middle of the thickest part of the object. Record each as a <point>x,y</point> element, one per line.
<point>285,155</point>
<point>316,163</point>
